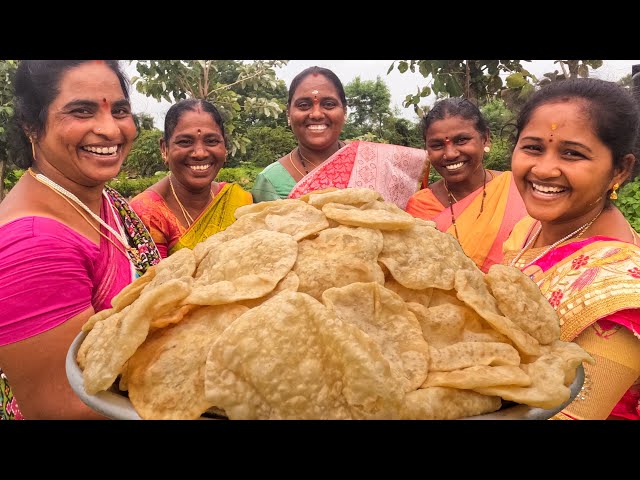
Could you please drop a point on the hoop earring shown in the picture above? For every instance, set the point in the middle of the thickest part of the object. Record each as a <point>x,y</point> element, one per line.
<point>614,194</point>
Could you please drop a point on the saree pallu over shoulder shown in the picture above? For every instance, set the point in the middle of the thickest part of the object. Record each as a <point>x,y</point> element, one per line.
<point>216,217</point>
<point>137,234</point>
<point>596,278</point>
<point>394,171</point>
<point>482,235</point>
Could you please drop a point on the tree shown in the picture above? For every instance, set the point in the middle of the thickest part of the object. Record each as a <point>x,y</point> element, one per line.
<point>237,88</point>
<point>145,157</point>
<point>143,121</point>
<point>7,69</point>
<point>369,103</point>
<point>481,80</point>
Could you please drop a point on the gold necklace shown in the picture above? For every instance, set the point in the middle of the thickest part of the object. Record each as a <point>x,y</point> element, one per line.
<point>579,232</point>
<point>294,165</point>
<point>450,196</point>
<point>303,159</point>
<point>130,252</point>
<point>187,217</point>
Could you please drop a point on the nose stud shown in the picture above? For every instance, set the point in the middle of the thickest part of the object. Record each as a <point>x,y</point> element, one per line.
<point>444,156</point>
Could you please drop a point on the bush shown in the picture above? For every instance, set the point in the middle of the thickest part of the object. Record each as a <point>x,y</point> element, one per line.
<point>244,176</point>
<point>629,203</point>
<point>130,187</point>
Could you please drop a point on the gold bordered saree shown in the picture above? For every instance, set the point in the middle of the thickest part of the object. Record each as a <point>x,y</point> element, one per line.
<point>594,285</point>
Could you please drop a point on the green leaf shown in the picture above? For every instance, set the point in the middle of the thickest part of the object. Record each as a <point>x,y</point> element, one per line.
<point>403,66</point>
<point>516,80</point>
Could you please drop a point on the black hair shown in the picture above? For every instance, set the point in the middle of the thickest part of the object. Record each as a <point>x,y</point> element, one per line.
<point>333,78</point>
<point>614,114</point>
<point>455,107</point>
<point>36,85</point>
<point>190,104</point>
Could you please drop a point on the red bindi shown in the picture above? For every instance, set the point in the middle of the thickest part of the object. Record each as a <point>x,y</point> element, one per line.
<point>105,104</point>
<point>199,132</point>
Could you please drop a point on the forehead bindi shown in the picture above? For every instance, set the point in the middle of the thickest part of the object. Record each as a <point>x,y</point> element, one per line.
<point>316,87</point>
<point>89,81</point>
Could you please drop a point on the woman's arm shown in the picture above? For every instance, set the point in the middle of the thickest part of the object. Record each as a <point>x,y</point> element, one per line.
<point>35,369</point>
<point>617,355</point>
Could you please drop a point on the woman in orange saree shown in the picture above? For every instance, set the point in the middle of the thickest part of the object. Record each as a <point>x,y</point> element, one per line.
<point>575,147</point>
<point>476,205</point>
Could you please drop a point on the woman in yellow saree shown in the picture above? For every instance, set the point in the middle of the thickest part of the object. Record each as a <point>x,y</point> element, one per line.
<point>476,205</point>
<point>575,148</point>
<point>188,206</point>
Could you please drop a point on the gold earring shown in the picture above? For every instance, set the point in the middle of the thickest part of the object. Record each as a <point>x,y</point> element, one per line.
<point>288,121</point>
<point>33,147</point>
<point>487,149</point>
<point>614,194</point>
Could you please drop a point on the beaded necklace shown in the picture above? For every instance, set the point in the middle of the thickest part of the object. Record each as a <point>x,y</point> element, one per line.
<point>131,253</point>
<point>450,197</point>
<point>579,232</point>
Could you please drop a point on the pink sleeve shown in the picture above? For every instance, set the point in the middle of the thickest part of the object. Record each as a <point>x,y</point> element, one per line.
<point>45,273</point>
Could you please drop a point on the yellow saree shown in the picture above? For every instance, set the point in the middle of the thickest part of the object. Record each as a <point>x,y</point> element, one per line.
<point>215,218</point>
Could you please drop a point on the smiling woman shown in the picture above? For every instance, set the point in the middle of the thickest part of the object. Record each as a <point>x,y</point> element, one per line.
<point>188,206</point>
<point>575,148</point>
<point>69,243</point>
<point>470,202</point>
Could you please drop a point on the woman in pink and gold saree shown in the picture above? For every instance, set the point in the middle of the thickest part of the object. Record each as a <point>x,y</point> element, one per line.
<point>476,205</point>
<point>575,148</point>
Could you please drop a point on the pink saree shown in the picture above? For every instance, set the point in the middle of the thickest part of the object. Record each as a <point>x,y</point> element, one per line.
<point>394,171</point>
<point>594,285</point>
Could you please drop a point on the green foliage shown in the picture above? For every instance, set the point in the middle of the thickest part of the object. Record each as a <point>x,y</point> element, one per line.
<point>143,121</point>
<point>369,103</point>
<point>629,203</point>
<point>11,177</point>
<point>7,70</point>
<point>243,176</point>
<point>130,187</point>
<point>145,158</point>
<point>241,91</point>
<point>501,122</point>
<point>268,144</point>
<point>477,80</point>
<point>400,131</point>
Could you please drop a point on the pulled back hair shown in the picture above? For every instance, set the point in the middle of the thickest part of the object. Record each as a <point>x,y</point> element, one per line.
<point>614,114</point>
<point>333,78</point>
<point>36,85</point>
<point>177,110</point>
<point>455,107</point>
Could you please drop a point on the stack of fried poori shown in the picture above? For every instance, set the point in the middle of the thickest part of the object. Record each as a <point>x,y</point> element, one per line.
<point>337,305</point>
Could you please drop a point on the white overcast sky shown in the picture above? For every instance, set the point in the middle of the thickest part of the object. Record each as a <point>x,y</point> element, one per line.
<point>400,84</point>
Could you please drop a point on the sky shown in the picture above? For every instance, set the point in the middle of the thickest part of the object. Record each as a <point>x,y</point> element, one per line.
<point>400,84</point>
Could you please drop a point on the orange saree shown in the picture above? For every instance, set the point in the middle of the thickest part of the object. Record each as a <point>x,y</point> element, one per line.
<point>481,237</point>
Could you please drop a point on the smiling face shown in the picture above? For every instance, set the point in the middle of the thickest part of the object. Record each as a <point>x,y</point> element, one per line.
<point>89,129</point>
<point>316,113</point>
<point>562,169</point>
<point>455,148</point>
<point>195,152</point>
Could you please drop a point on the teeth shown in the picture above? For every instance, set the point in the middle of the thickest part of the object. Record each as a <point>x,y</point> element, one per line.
<point>542,188</point>
<point>455,166</point>
<point>317,127</point>
<point>199,167</point>
<point>102,150</point>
